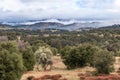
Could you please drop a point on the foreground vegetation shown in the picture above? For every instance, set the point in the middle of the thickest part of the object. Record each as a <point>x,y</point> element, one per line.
<point>95,47</point>
<point>88,55</point>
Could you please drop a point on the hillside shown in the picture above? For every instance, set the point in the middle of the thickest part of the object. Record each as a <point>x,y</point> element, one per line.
<point>79,43</point>
<point>70,25</point>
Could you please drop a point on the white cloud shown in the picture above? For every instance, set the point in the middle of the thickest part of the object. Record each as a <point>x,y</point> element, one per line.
<point>37,9</point>
<point>117,3</point>
<point>11,5</point>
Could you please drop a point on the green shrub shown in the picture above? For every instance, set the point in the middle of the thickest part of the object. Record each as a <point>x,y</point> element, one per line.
<point>65,51</point>
<point>54,50</point>
<point>103,61</point>
<point>10,46</point>
<point>35,44</point>
<point>28,59</point>
<point>79,56</point>
<point>11,65</point>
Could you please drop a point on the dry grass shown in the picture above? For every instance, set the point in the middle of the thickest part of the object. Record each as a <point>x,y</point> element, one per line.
<point>58,68</point>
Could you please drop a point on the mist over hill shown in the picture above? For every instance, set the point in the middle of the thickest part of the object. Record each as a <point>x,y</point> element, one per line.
<point>57,24</point>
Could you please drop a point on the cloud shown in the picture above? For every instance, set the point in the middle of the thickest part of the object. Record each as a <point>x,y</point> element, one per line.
<point>39,9</point>
<point>11,5</point>
<point>117,3</point>
<point>100,4</point>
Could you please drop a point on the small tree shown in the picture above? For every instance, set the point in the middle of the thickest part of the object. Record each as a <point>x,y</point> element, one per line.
<point>11,65</point>
<point>43,56</point>
<point>79,56</point>
<point>103,61</point>
<point>28,59</point>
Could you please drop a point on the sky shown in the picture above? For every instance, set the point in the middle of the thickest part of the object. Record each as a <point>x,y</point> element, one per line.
<point>20,10</point>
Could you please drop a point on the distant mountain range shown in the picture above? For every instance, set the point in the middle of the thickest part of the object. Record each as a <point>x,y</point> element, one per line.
<point>56,24</point>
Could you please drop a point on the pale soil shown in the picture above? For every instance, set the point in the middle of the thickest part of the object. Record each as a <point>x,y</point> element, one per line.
<point>58,68</point>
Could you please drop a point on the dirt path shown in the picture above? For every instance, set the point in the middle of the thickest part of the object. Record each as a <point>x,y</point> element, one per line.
<point>58,68</point>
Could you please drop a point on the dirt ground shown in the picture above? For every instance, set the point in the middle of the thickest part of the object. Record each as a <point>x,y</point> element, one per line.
<point>58,68</point>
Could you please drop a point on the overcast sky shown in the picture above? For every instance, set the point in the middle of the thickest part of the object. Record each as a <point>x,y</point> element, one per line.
<point>15,10</point>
